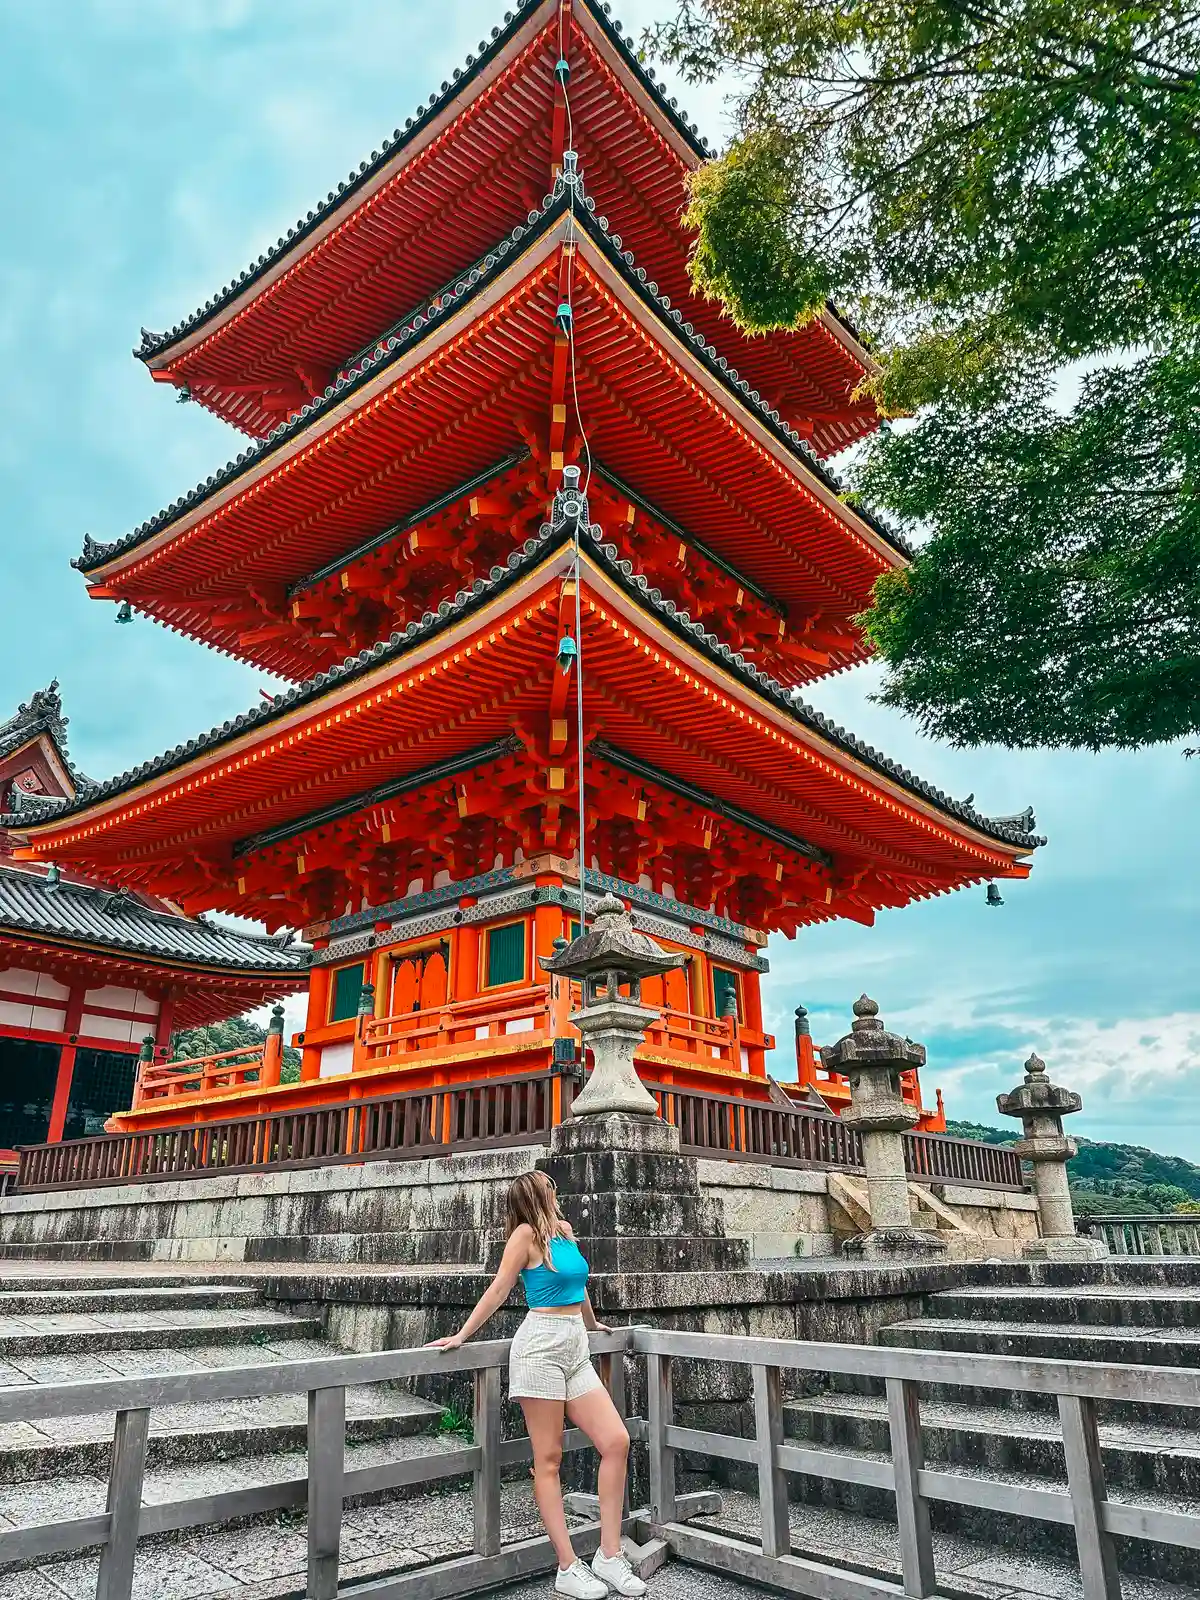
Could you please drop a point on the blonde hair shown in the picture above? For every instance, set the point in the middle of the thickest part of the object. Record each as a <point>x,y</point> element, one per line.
<point>533,1199</point>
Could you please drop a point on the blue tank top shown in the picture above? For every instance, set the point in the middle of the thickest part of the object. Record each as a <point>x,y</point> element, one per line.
<point>566,1285</point>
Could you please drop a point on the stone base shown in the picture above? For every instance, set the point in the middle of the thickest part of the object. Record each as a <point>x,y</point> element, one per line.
<point>634,1201</point>
<point>1064,1249</point>
<point>894,1244</point>
<point>614,1130</point>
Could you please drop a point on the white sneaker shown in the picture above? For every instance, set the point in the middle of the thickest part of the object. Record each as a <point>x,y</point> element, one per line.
<point>616,1572</point>
<point>578,1582</point>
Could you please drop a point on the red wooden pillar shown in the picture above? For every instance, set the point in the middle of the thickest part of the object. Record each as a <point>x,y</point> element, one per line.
<point>66,1065</point>
<point>318,1006</point>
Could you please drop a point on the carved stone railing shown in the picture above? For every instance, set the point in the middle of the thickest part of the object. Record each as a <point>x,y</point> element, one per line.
<point>1167,1235</point>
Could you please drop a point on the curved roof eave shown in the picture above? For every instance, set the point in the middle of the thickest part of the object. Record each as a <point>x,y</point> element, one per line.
<point>1014,832</point>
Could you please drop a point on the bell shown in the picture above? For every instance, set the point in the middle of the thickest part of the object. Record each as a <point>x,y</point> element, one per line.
<point>562,70</point>
<point>994,897</point>
<point>124,612</point>
<point>563,316</point>
<point>53,876</point>
<point>567,651</point>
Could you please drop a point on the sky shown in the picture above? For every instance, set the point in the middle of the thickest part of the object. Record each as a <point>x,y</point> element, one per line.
<point>149,149</point>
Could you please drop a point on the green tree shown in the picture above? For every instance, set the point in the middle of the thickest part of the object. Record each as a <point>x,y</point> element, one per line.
<point>993,189</point>
<point>233,1034</point>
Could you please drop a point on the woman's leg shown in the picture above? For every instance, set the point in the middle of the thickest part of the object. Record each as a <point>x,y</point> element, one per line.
<point>544,1424</point>
<point>595,1413</point>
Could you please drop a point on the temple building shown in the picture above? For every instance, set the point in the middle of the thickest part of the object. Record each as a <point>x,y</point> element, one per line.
<point>546,548</point>
<point>89,970</point>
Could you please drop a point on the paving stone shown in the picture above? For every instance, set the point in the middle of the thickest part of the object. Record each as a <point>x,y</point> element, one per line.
<point>162,1572</point>
<point>65,1369</point>
<point>29,1586</point>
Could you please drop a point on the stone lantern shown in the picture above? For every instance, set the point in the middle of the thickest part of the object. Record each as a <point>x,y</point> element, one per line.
<point>873,1059</point>
<point>633,1199</point>
<point>1041,1106</point>
<point>609,956</point>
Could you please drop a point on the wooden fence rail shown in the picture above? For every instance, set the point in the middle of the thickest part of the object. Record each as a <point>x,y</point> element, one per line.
<point>490,1112</point>
<point>725,1126</point>
<point>1082,1502</point>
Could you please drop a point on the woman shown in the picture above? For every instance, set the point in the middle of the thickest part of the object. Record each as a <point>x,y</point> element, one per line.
<point>550,1372</point>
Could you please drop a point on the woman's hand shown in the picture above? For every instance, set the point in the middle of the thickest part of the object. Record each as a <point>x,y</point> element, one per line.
<point>453,1341</point>
<point>600,1327</point>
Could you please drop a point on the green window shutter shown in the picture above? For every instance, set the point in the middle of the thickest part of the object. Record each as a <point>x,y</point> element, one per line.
<point>347,990</point>
<point>506,954</point>
<point>725,983</point>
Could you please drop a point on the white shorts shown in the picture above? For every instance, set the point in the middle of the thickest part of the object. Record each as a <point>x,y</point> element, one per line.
<point>550,1359</point>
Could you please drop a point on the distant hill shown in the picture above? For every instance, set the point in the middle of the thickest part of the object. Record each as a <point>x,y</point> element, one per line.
<point>1112,1177</point>
<point>231,1035</point>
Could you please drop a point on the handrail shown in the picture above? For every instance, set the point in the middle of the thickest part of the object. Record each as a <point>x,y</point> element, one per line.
<point>733,1127</point>
<point>517,1109</point>
<point>1076,1385</point>
<point>1136,1234</point>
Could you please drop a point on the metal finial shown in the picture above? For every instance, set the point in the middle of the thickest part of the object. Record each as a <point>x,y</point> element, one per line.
<point>801,1022</point>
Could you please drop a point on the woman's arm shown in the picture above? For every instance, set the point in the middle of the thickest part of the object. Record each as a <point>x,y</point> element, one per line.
<point>589,1318</point>
<point>516,1256</point>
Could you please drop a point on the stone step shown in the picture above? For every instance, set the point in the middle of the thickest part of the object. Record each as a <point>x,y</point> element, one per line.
<point>464,1248</point>
<point>1010,1567</point>
<point>1150,1458</point>
<point>130,1296</point>
<point>79,1250</point>
<point>1101,1306</point>
<point>72,1333</point>
<point>268,1560</point>
<point>1140,1557</point>
<point>1159,1347</point>
<point>216,1431</point>
<point>70,1495</point>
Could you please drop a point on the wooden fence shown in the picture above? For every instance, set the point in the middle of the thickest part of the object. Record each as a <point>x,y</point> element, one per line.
<point>666,1525</point>
<point>725,1126</point>
<point>493,1112</point>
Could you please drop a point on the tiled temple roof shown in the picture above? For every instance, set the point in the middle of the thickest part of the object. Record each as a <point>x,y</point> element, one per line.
<point>152,343</point>
<point>421,322</point>
<point>31,904</point>
<point>41,713</point>
<point>1016,831</point>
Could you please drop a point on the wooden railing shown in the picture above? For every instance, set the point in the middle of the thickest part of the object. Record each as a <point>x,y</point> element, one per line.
<point>255,1064</point>
<point>521,1109</point>
<point>1137,1235</point>
<point>729,1127</point>
<point>724,1040</point>
<point>485,1016</point>
<point>668,1524</point>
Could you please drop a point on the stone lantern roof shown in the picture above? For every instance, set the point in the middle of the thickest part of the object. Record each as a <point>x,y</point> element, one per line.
<point>870,1044</point>
<point>1037,1096</point>
<point>613,950</point>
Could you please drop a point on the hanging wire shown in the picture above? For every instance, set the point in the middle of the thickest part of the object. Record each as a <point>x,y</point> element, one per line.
<point>587,449</point>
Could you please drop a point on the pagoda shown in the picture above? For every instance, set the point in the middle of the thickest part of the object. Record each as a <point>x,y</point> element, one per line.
<point>546,548</point>
<point>90,972</point>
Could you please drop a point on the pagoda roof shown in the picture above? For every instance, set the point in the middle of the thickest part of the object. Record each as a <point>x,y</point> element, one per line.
<point>361,456</point>
<point>763,752</point>
<point>116,921</point>
<point>476,158</point>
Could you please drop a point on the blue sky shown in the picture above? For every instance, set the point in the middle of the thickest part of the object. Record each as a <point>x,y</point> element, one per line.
<point>149,149</point>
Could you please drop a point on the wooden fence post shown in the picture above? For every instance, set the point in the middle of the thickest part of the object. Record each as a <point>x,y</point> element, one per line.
<point>487,1473</point>
<point>130,1437</point>
<point>326,1466</point>
<point>660,1410</point>
<point>772,1484</point>
<point>912,1509</point>
<point>1085,1480</point>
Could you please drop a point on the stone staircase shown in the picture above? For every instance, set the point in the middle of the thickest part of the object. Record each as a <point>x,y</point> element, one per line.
<point>1143,1314</point>
<point>67,1325</point>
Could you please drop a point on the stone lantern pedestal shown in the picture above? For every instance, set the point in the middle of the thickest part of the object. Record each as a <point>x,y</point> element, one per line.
<point>1041,1106</point>
<point>632,1198</point>
<point>873,1059</point>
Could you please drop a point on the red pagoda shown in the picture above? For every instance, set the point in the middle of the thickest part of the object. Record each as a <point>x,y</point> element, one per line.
<point>88,970</point>
<point>546,547</point>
